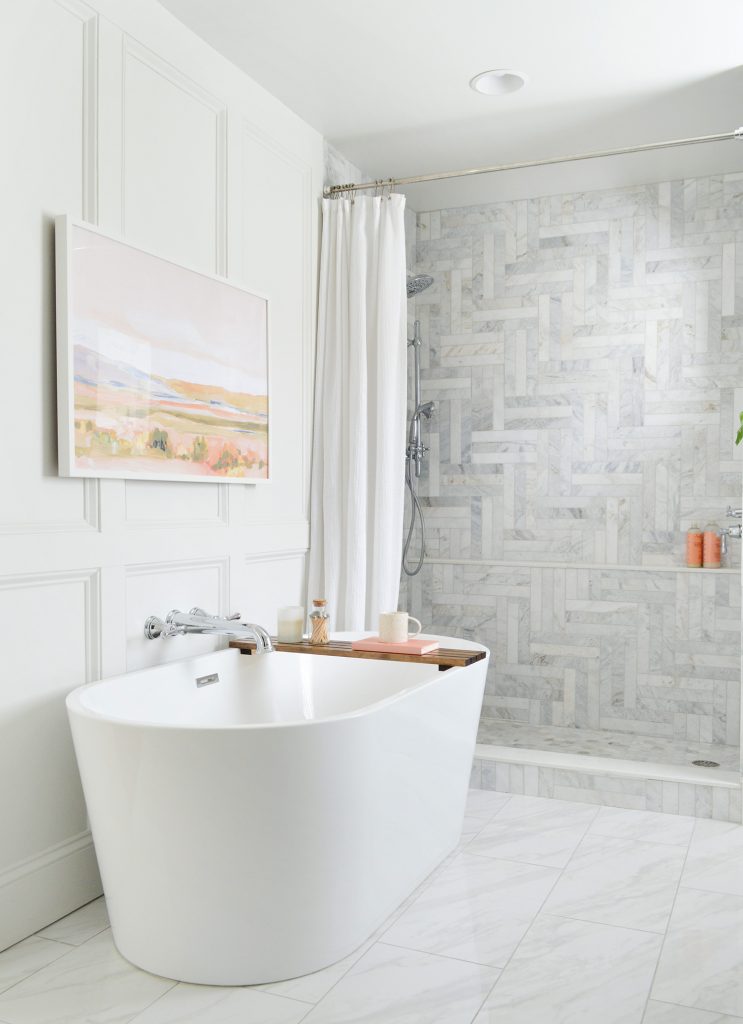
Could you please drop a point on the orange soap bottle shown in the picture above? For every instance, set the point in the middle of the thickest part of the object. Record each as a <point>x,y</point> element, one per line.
<point>694,547</point>
<point>711,547</point>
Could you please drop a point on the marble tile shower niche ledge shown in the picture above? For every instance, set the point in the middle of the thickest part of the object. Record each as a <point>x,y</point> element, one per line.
<point>569,562</point>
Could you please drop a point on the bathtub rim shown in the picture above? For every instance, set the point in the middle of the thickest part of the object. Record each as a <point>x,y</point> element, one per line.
<point>74,704</point>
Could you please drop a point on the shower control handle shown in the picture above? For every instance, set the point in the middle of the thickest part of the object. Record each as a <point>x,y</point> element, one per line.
<point>734,513</point>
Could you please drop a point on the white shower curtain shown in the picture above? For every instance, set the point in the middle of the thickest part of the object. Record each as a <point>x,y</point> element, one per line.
<point>358,462</point>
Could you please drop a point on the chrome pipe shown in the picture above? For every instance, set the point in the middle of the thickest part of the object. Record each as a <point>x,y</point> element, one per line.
<point>382,183</point>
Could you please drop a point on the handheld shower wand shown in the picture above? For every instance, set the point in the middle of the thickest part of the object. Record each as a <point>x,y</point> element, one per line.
<point>416,449</point>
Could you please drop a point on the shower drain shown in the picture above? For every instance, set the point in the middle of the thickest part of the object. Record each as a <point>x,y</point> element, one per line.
<point>706,764</point>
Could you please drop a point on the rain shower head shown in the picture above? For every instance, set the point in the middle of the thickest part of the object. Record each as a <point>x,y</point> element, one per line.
<point>418,283</point>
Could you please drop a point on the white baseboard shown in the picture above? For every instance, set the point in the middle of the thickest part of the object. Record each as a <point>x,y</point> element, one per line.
<point>44,888</point>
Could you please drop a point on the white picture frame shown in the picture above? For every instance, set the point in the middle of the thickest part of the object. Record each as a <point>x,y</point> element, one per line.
<point>162,369</point>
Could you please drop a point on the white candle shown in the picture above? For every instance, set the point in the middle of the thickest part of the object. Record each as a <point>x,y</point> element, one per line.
<point>291,625</point>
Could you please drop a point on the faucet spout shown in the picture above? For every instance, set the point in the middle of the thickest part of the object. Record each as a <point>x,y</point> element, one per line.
<point>198,621</point>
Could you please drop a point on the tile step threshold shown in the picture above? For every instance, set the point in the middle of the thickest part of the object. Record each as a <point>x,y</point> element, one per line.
<point>616,767</point>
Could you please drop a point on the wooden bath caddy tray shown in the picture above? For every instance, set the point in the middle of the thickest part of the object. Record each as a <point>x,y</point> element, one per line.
<point>444,657</point>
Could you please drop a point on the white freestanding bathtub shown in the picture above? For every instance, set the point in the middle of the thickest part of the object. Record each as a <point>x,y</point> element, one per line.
<point>263,825</point>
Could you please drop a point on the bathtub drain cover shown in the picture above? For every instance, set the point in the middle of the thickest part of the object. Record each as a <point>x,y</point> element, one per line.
<point>706,764</point>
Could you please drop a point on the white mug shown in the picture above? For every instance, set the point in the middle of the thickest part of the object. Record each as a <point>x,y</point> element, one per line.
<point>393,627</point>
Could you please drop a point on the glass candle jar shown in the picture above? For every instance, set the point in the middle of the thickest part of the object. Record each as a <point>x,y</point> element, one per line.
<point>291,625</point>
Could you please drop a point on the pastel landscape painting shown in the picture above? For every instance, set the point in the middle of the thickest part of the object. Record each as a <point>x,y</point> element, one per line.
<point>169,368</point>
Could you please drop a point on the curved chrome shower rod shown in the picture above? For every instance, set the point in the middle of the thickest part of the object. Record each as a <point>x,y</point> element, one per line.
<point>332,190</point>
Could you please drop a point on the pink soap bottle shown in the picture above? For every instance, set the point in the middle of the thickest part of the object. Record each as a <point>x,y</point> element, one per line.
<point>694,547</point>
<point>711,546</point>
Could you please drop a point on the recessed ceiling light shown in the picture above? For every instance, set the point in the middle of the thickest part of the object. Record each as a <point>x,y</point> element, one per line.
<point>498,82</point>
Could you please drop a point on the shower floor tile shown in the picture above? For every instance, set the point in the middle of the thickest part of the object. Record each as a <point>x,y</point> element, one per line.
<point>549,911</point>
<point>605,743</point>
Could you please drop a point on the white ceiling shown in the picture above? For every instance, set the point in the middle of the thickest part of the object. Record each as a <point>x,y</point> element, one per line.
<point>386,82</point>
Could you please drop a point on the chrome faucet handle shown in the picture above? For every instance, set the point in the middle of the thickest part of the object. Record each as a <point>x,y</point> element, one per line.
<point>734,513</point>
<point>736,531</point>
<point>153,627</point>
<point>234,617</point>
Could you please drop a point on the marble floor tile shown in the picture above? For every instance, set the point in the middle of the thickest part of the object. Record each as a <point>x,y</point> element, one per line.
<point>25,958</point>
<point>668,1013</point>
<point>311,988</point>
<point>566,972</point>
<point>203,1004</point>
<point>79,926</point>
<point>648,826</point>
<point>715,859</point>
<point>482,806</point>
<point>472,826</point>
<point>619,882</point>
<point>91,983</point>
<point>535,830</point>
<point>399,986</point>
<point>484,803</point>
<point>477,909</point>
<point>702,960</point>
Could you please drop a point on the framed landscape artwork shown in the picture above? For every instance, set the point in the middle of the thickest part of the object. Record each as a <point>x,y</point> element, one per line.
<point>162,371</point>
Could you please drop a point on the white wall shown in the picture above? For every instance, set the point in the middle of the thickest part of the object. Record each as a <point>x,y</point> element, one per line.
<point>114,112</point>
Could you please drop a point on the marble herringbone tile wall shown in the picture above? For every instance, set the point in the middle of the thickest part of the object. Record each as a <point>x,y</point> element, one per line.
<point>650,653</point>
<point>585,353</point>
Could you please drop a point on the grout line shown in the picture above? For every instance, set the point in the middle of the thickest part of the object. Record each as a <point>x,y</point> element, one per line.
<point>684,1006</point>
<point>5,991</point>
<point>668,922</point>
<point>511,860</point>
<point>712,892</point>
<point>604,924</point>
<point>74,945</point>
<point>558,878</point>
<point>444,956</point>
<point>647,842</point>
<point>132,1020</point>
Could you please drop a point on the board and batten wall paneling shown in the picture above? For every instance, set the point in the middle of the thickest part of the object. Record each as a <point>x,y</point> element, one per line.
<point>125,118</point>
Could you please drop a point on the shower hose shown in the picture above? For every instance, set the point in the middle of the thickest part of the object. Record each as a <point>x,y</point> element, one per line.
<point>416,513</point>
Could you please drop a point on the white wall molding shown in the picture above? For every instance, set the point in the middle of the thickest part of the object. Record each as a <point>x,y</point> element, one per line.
<point>276,556</point>
<point>188,565</point>
<point>132,49</point>
<point>149,128</point>
<point>251,135</point>
<point>90,21</point>
<point>47,886</point>
<point>168,518</point>
<point>91,581</point>
<point>89,519</point>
